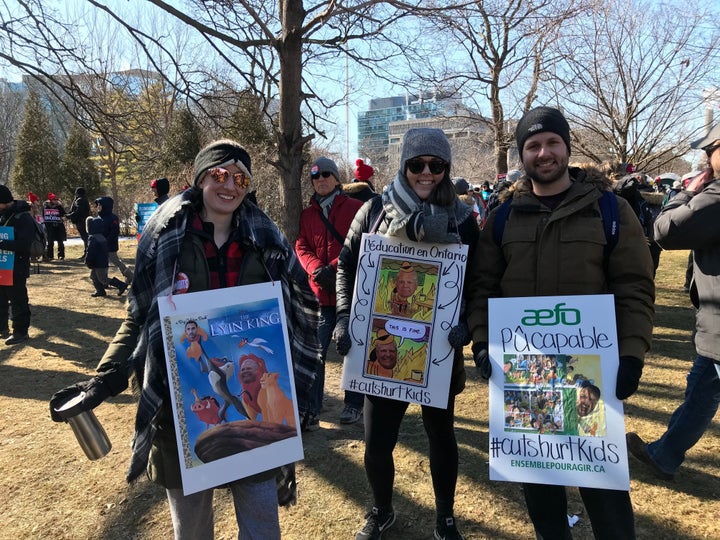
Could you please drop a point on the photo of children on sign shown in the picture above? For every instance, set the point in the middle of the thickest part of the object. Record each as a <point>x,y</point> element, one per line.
<point>232,387</point>
<point>406,289</point>
<point>406,299</point>
<point>558,394</point>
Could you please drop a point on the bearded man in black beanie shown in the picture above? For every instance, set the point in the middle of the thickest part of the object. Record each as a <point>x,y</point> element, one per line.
<point>14,297</point>
<point>566,256</point>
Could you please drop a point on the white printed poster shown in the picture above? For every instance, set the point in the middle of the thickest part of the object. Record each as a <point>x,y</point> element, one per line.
<point>406,299</point>
<point>554,417</point>
<point>231,383</point>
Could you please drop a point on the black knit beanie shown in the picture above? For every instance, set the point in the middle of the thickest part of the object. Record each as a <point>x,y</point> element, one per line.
<point>538,120</point>
<point>5,194</point>
<point>222,152</point>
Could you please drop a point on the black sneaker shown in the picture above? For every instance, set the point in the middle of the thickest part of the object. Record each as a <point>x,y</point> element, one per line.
<point>122,288</point>
<point>376,523</point>
<point>446,529</point>
<point>16,338</point>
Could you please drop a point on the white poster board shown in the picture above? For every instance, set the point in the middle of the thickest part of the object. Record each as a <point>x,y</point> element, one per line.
<point>554,417</point>
<point>406,299</point>
<point>231,383</point>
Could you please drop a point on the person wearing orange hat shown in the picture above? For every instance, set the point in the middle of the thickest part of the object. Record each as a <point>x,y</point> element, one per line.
<point>53,214</point>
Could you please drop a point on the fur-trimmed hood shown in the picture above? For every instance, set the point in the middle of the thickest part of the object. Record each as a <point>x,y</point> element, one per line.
<point>585,173</point>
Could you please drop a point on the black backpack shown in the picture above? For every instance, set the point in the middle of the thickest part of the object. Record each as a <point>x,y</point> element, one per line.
<point>38,244</point>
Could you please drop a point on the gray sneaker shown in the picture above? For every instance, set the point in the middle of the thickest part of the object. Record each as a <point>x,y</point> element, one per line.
<point>376,523</point>
<point>350,415</point>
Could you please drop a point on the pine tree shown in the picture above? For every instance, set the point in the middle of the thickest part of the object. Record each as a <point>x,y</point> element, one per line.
<point>78,169</point>
<point>182,141</point>
<point>36,154</point>
<point>248,124</point>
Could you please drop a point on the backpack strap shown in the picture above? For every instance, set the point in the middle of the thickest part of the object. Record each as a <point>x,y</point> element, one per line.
<point>608,210</point>
<point>611,222</point>
<point>501,215</point>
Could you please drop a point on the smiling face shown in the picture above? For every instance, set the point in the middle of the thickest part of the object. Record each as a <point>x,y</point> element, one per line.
<point>248,371</point>
<point>424,182</point>
<point>220,200</point>
<point>386,354</point>
<point>586,402</point>
<point>546,159</point>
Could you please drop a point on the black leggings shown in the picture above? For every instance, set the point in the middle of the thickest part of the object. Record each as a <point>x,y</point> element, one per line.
<point>382,424</point>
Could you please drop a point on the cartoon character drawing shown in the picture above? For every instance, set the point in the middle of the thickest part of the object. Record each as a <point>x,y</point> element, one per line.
<point>257,342</point>
<point>221,370</point>
<point>274,404</point>
<point>206,409</point>
<point>194,336</point>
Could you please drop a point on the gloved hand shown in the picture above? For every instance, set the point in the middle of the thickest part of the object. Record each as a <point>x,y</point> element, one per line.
<point>98,389</point>
<point>482,360</point>
<point>459,335</point>
<point>628,377</point>
<point>325,277</point>
<point>342,335</point>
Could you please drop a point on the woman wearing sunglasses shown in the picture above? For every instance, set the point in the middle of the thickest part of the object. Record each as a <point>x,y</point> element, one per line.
<point>207,237</point>
<point>420,205</point>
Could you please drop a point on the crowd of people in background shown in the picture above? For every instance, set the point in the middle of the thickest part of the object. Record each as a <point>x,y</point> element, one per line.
<point>424,204</point>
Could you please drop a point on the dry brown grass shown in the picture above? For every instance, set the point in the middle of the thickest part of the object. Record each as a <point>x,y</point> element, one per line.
<point>53,491</point>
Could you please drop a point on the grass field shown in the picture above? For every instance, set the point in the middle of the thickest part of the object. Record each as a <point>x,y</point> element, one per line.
<point>52,491</point>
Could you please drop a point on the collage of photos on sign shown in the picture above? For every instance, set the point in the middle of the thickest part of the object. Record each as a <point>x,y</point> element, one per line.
<point>554,394</point>
<point>400,331</point>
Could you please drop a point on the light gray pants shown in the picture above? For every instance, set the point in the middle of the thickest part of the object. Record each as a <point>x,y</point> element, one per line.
<point>118,262</point>
<point>256,511</point>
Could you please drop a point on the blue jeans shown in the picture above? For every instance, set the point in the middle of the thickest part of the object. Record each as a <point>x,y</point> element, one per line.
<point>328,319</point>
<point>256,511</point>
<point>691,419</point>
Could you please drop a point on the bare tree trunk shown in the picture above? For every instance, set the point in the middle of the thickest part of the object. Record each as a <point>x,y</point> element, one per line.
<point>289,137</point>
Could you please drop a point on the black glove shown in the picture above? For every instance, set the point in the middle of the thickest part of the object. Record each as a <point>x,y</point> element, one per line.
<point>628,377</point>
<point>98,389</point>
<point>482,360</point>
<point>459,335</point>
<point>325,277</point>
<point>342,336</point>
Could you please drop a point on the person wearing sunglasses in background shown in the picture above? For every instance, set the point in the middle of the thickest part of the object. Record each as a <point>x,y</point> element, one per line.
<point>690,221</point>
<point>323,226</point>
<point>207,237</point>
<point>420,205</point>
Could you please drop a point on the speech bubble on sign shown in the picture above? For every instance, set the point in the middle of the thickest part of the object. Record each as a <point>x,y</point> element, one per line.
<point>405,329</point>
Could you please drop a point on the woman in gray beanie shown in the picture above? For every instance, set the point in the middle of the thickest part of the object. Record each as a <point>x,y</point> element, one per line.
<point>207,237</point>
<point>420,205</point>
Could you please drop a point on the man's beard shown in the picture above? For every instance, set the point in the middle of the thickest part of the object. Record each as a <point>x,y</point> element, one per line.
<point>561,164</point>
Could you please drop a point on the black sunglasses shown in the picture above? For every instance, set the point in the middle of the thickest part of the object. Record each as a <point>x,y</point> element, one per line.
<point>710,148</point>
<point>317,175</point>
<point>416,166</point>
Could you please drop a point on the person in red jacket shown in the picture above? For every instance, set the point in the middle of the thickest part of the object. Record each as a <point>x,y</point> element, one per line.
<point>323,226</point>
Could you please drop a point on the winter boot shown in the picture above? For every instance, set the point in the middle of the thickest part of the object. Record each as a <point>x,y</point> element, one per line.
<point>121,286</point>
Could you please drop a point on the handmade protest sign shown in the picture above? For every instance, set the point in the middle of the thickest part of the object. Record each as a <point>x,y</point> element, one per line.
<point>406,299</point>
<point>554,417</point>
<point>7,258</point>
<point>231,383</point>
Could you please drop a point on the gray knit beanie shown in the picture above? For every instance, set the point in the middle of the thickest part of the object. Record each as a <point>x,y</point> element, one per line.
<point>538,120</point>
<point>424,142</point>
<point>323,164</point>
<point>219,153</point>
